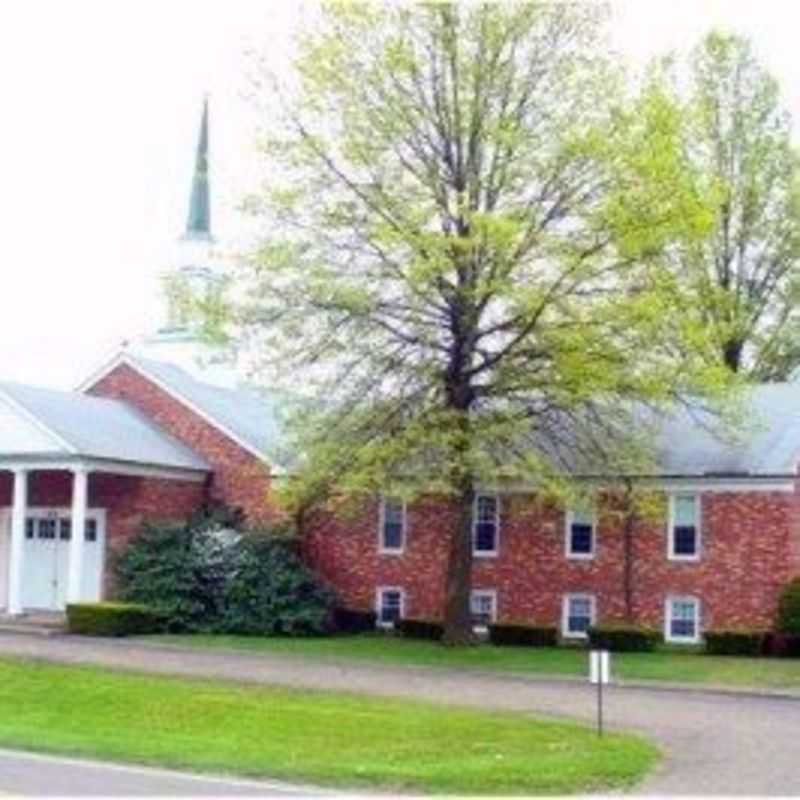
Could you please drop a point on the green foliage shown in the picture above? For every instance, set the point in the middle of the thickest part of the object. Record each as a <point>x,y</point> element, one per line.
<point>348,620</point>
<point>200,577</point>
<point>420,629</point>
<point>734,642</point>
<point>178,570</point>
<point>523,635</point>
<point>623,638</point>
<point>270,591</point>
<point>113,619</point>
<point>789,608</point>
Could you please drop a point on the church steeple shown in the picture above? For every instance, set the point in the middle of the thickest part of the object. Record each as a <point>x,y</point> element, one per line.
<point>198,221</point>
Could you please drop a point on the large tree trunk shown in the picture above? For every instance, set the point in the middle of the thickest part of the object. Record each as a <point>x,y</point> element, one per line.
<point>732,354</point>
<point>458,583</point>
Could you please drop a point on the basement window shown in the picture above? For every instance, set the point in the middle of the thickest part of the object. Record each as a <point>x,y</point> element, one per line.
<point>682,620</point>
<point>483,606</point>
<point>390,606</point>
<point>578,615</point>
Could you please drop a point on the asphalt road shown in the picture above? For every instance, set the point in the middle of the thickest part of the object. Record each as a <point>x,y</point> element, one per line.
<point>51,776</point>
<point>714,743</point>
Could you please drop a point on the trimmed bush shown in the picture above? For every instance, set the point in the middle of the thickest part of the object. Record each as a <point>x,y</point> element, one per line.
<point>523,635</point>
<point>789,608</point>
<point>349,620</point>
<point>734,642</point>
<point>623,638</point>
<point>420,629</point>
<point>113,619</point>
<point>782,645</point>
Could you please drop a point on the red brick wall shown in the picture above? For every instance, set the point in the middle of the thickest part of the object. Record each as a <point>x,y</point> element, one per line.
<point>127,500</point>
<point>748,551</point>
<point>239,478</point>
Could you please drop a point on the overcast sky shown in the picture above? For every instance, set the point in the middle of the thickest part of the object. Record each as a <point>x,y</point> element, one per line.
<point>100,107</point>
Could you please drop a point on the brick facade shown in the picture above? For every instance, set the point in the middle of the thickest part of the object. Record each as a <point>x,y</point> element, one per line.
<point>750,543</point>
<point>239,478</point>
<point>750,539</point>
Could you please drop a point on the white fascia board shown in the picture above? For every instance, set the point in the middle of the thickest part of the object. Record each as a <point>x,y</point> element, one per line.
<point>123,358</point>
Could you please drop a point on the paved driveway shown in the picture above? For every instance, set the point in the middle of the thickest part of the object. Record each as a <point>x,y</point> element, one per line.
<point>51,776</point>
<point>713,743</point>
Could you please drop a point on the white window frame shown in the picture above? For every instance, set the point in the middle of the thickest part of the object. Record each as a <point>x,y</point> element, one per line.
<point>671,554</point>
<point>486,553</point>
<point>382,548</point>
<point>490,593</point>
<point>379,591</point>
<point>682,598</point>
<point>568,520</point>
<point>565,631</point>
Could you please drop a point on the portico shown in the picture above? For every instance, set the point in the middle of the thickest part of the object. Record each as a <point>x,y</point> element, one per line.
<point>74,471</point>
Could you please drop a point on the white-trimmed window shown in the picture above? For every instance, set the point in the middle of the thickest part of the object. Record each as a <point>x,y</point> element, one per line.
<point>580,533</point>
<point>392,525</point>
<point>483,606</point>
<point>684,527</point>
<point>485,525</point>
<point>682,619</point>
<point>390,604</point>
<point>578,615</point>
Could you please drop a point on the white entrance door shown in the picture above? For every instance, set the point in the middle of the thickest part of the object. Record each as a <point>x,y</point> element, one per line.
<point>46,559</point>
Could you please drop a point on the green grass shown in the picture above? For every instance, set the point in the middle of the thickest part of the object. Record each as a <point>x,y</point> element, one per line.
<point>689,667</point>
<point>337,739</point>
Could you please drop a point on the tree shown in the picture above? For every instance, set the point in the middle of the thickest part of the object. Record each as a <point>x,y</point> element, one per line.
<point>746,273</point>
<point>463,259</point>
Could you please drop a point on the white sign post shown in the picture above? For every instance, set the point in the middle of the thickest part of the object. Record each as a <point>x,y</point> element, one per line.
<point>599,674</point>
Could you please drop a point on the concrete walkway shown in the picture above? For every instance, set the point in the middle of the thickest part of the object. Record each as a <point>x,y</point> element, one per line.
<point>713,743</point>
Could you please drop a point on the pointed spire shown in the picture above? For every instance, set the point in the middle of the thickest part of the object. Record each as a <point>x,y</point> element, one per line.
<point>198,223</point>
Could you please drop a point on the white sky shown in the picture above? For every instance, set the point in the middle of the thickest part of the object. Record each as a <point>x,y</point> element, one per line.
<point>100,107</point>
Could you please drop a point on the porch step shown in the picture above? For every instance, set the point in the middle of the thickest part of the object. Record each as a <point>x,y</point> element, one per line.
<point>34,624</point>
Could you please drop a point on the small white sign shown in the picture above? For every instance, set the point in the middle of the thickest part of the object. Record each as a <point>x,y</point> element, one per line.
<point>599,666</point>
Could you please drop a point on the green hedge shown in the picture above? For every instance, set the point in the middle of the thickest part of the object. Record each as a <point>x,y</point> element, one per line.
<point>351,620</point>
<point>523,635</point>
<point>789,608</point>
<point>734,642</point>
<point>420,629</point>
<point>623,638</point>
<point>113,619</point>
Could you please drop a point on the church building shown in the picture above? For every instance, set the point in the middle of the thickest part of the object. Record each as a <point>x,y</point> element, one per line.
<point>164,426</point>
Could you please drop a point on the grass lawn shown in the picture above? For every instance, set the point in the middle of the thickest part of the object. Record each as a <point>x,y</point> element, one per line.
<point>317,737</point>
<point>689,667</point>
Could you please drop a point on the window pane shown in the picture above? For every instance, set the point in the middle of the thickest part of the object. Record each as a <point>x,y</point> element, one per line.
<point>90,531</point>
<point>683,619</point>
<point>29,527</point>
<point>581,538</point>
<point>579,617</point>
<point>684,540</point>
<point>392,524</point>
<point>390,606</point>
<point>482,606</point>
<point>685,509</point>
<point>47,529</point>
<point>65,529</point>
<point>486,523</point>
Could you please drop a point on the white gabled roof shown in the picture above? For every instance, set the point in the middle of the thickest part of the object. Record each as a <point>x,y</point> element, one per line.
<point>44,423</point>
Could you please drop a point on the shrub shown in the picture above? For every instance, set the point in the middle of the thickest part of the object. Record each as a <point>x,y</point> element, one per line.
<point>789,608</point>
<point>734,642</point>
<point>782,645</point>
<point>271,591</point>
<point>112,619</point>
<point>203,577</point>
<point>623,638</point>
<point>349,620</point>
<point>178,570</point>
<point>420,629</point>
<point>523,635</point>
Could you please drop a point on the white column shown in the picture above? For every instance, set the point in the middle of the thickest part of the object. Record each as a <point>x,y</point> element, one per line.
<point>17,549</point>
<point>80,497</point>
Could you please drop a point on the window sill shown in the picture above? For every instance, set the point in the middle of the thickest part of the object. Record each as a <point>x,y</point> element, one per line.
<point>690,559</point>
<point>695,640</point>
<point>390,551</point>
<point>580,556</point>
<point>574,635</point>
<point>484,553</point>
